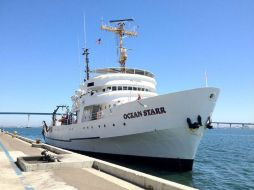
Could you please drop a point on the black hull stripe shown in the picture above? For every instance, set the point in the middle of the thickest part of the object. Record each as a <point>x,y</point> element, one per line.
<point>84,138</point>
<point>146,163</point>
<point>57,139</point>
<point>71,139</point>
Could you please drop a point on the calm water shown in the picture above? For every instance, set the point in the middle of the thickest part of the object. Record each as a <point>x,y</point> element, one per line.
<point>225,160</point>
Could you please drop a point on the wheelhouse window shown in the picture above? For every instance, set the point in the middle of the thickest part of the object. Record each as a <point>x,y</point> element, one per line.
<point>90,84</point>
<point>116,88</point>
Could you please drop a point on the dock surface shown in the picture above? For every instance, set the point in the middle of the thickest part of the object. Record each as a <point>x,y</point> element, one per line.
<point>64,178</point>
<point>77,173</point>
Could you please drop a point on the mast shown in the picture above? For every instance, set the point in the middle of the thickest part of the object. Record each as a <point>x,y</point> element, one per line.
<point>120,31</point>
<point>86,53</point>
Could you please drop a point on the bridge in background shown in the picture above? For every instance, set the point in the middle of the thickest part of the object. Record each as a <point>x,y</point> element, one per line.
<point>25,113</point>
<point>28,114</point>
<point>230,124</point>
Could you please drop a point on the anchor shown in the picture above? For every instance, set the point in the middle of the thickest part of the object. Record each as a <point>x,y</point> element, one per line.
<point>195,125</point>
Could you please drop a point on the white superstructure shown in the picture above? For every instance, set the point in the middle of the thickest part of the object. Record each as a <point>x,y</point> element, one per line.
<point>118,112</point>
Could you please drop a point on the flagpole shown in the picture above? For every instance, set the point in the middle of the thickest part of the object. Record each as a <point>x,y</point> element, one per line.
<point>206,83</point>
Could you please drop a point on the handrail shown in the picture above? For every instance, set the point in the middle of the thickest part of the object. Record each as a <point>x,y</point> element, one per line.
<point>97,115</point>
<point>125,70</point>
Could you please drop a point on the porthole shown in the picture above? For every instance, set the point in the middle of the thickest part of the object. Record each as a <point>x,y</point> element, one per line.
<point>212,96</point>
<point>124,124</point>
<point>113,125</point>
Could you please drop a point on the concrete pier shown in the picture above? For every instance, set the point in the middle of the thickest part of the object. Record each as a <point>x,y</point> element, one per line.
<point>74,171</point>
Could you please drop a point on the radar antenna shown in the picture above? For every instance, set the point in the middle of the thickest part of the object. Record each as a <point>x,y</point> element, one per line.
<point>120,31</point>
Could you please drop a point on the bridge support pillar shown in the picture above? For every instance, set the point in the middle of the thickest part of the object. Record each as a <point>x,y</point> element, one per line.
<point>28,120</point>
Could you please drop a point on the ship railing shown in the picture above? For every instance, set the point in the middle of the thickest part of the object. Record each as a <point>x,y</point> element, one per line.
<point>96,115</point>
<point>123,70</point>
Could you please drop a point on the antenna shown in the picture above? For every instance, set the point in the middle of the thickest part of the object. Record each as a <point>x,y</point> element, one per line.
<point>79,62</point>
<point>120,31</point>
<point>85,29</point>
<point>85,52</point>
<point>206,83</point>
<point>122,20</point>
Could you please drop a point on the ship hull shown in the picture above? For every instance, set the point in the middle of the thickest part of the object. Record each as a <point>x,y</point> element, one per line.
<point>152,130</point>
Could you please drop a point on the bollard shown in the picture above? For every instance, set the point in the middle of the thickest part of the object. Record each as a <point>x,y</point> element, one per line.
<point>14,134</point>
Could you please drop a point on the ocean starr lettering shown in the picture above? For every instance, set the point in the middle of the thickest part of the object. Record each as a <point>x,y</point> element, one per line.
<point>147,112</point>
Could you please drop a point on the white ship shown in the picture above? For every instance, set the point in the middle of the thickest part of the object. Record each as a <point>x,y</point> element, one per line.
<point>118,113</point>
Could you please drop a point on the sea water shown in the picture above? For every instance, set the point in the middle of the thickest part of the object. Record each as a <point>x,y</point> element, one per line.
<point>225,160</point>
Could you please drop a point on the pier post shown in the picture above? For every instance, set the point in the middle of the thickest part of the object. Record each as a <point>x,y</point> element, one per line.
<point>28,120</point>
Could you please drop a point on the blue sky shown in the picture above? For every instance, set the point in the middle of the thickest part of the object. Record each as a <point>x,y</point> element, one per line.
<point>40,43</point>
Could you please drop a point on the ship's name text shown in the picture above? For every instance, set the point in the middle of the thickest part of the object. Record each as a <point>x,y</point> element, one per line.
<point>148,112</point>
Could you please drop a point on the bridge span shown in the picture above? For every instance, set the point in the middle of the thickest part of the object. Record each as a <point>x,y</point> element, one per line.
<point>28,114</point>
